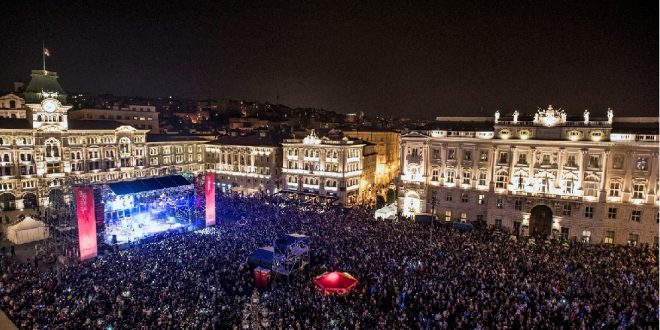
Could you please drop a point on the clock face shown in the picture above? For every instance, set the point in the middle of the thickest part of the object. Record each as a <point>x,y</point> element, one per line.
<point>49,105</point>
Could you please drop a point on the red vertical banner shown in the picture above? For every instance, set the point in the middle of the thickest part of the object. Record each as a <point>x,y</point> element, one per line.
<point>209,190</point>
<point>86,222</point>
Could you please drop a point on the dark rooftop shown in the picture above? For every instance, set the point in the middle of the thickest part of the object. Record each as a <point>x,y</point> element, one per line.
<point>173,138</point>
<point>635,128</point>
<point>461,126</point>
<point>255,140</point>
<point>15,123</point>
<point>94,124</point>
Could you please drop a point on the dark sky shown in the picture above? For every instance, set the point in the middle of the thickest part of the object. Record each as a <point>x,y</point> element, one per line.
<point>421,61</point>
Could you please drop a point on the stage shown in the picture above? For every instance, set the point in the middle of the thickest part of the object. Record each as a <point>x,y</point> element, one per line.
<point>137,227</point>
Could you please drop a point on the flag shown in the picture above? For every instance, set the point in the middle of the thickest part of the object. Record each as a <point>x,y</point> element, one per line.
<point>46,52</point>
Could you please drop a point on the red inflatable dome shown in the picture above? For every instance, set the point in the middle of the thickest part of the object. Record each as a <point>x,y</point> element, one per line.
<point>336,282</point>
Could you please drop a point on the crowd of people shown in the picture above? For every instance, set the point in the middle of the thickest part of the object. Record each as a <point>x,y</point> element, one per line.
<point>476,279</point>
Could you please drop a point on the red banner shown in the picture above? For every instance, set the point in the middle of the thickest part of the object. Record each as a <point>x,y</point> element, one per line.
<point>209,189</point>
<point>86,222</point>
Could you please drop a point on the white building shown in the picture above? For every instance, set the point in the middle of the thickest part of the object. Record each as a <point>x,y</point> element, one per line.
<point>337,169</point>
<point>584,179</point>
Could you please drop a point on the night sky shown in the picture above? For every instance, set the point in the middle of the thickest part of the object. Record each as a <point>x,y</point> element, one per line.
<point>422,61</point>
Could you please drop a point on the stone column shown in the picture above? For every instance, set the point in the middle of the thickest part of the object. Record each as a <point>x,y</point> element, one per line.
<point>602,196</point>
<point>560,167</point>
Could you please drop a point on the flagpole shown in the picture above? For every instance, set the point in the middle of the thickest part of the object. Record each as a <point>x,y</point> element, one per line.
<point>43,53</point>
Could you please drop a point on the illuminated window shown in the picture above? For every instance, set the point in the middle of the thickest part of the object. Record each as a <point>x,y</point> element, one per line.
<point>586,236</point>
<point>483,156</point>
<point>615,189</point>
<point>434,174</point>
<point>450,175</point>
<point>501,181</point>
<point>482,178</point>
<point>609,237</point>
<point>447,215</point>
<point>466,177</point>
<point>589,212</point>
<point>481,200</point>
<point>463,216</point>
<point>633,239</point>
<point>591,188</point>
<point>642,163</point>
<point>636,216</point>
<point>638,191</point>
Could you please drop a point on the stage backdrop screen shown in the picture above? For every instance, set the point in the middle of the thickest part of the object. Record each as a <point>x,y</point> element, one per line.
<point>86,222</point>
<point>209,190</point>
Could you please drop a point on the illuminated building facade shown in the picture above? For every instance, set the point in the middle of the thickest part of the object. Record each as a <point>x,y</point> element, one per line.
<point>589,180</point>
<point>337,168</point>
<point>246,163</point>
<point>387,146</point>
<point>40,151</point>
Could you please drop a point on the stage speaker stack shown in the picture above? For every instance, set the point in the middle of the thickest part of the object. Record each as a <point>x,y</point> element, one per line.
<point>261,277</point>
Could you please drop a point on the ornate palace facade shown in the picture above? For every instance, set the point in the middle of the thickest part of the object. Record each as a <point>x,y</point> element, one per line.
<point>341,168</point>
<point>246,163</point>
<point>42,150</point>
<point>594,181</point>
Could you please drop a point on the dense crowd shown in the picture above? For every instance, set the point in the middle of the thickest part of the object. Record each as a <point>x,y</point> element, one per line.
<point>475,279</point>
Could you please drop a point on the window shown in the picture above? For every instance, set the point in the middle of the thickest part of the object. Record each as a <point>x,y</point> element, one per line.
<point>518,204</point>
<point>586,236</point>
<point>447,215</point>
<point>522,159</point>
<point>450,175</point>
<point>499,203</point>
<point>502,178</point>
<point>594,161</point>
<point>617,162</point>
<point>642,163</point>
<point>483,156</point>
<point>467,155</point>
<point>504,157</point>
<point>481,200</point>
<point>466,177</point>
<point>464,197</point>
<point>567,210</point>
<point>545,160</point>
<point>436,154</point>
<point>449,196</point>
<point>434,174</point>
<point>570,161</point>
<point>591,188</point>
<point>498,223</point>
<point>611,213</point>
<point>589,212</point>
<point>609,237</point>
<point>615,188</point>
<point>463,216</point>
<point>636,216</point>
<point>633,239</point>
<point>482,178</point>
<point>638,191</point>
<point>451,154</point>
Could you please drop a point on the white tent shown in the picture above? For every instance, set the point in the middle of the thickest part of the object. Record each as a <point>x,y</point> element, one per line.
<point>26,231</point>
<point>386,212</point>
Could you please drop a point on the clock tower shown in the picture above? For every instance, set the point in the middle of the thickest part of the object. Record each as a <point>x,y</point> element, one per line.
<point>45,98</point>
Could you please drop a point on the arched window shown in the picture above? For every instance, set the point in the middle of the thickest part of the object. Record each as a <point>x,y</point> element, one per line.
<point>124,145</point>
<point>52,147</point>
